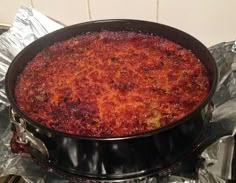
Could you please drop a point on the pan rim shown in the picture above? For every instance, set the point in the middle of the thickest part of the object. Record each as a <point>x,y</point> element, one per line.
<point>188,116</point>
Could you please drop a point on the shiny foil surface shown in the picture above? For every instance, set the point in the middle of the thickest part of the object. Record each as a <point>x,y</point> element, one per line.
<point>217,160</point>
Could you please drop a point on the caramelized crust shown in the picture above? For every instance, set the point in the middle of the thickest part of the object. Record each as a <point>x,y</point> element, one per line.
<point>111,84</point>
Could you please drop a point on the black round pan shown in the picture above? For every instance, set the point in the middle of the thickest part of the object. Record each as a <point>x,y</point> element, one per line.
<point>122,157</point>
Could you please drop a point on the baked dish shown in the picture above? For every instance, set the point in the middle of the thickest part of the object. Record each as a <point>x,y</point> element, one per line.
<point>107,84</point>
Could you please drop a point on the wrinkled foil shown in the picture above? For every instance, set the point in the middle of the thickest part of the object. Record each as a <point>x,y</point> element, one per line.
<point>30,24</point>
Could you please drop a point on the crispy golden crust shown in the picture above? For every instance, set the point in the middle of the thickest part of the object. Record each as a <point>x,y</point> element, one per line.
<point>111,84</point>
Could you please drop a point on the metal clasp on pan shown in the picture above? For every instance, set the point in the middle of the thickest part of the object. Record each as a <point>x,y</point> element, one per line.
<point>24,136</point>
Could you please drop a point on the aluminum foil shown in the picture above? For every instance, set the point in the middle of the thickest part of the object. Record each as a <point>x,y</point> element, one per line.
<point>217,166</point>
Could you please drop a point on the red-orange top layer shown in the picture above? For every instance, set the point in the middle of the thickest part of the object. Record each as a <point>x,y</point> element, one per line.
<point>111,84</point>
